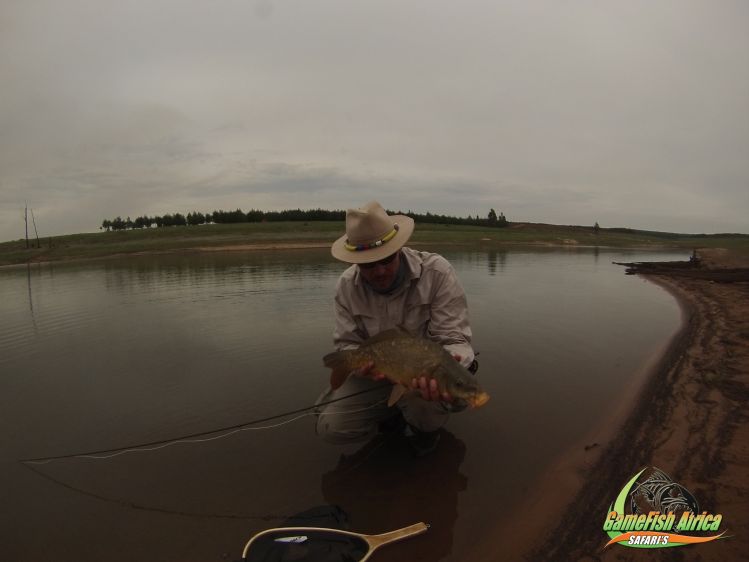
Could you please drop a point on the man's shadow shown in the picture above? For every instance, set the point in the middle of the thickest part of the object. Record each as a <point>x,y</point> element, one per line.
<point>383,487</point>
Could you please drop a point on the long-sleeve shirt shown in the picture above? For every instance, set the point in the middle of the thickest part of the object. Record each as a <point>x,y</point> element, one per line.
<point>430,303</point>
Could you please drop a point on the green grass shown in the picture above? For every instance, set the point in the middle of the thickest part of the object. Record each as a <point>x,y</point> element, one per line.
<point>101,244</point>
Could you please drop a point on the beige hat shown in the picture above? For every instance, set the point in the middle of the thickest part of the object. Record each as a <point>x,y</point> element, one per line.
<point>371,234</point>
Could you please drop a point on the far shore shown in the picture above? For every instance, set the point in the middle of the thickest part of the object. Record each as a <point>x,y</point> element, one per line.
<point>282,246</point>
<point>297,235</point>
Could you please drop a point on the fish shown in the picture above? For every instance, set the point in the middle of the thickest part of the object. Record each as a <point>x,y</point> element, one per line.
<point>402,357</point>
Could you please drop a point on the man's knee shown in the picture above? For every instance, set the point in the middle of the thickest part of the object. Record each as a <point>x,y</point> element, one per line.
<point>424,415</point>
<point>333,431</point>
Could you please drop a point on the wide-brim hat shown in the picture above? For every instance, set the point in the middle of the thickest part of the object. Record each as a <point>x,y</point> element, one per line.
<point>371,234</point>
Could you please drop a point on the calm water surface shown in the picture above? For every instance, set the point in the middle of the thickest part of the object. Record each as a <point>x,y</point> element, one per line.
<point>104,354</point>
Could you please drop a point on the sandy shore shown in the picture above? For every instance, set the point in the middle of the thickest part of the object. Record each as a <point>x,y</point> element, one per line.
<point>688,419</point>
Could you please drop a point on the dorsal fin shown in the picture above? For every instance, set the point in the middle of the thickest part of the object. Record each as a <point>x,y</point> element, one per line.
<point>391,334</point>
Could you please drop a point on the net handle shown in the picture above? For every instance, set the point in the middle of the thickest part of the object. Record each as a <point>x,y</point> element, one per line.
<point>376,541</point>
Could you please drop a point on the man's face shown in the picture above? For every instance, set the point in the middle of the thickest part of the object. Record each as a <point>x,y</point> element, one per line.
<point>381,274</point>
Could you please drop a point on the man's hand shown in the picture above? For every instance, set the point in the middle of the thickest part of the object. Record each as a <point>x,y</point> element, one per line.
<point>429,390</point>
<point>370,372</point>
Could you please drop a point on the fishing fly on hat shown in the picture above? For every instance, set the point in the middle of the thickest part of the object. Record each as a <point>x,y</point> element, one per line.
<point>371,234</point>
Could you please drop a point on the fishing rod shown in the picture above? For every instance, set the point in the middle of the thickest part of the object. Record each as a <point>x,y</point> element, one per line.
<point>195,437</point>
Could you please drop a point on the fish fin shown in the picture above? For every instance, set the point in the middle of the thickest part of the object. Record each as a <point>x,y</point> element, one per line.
<point>397,393</point>
<point>338,361</point>
<point>391,334</point>
<point>430,368</point>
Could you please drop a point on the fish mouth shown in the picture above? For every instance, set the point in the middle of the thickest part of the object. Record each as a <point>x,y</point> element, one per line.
<point>478,400</point>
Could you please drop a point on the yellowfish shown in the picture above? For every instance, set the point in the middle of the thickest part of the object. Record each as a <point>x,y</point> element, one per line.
<point>403,357</point>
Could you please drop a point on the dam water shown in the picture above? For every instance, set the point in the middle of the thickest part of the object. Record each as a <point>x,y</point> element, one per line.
<point>102,354</point>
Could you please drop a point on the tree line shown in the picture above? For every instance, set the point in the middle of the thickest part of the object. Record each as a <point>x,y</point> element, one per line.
<point>227,217</point>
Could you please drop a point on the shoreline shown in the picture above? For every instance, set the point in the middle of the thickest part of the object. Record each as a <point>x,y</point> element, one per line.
<point>272,234</point>
<point>575,467</point>
<point>268,246</point>
<point>688,418</point>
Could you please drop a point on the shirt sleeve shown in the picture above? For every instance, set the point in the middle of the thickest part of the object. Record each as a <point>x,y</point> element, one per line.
<point>346,334</point>
<point>449,324</point>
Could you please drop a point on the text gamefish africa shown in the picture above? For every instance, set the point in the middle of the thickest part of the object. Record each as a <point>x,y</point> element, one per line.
<point>657,521</point>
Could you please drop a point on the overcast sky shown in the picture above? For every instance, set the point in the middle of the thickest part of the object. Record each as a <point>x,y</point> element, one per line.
<point>630,113</point>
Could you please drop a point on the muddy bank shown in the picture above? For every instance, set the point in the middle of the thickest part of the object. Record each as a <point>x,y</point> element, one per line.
<point>689,419</point>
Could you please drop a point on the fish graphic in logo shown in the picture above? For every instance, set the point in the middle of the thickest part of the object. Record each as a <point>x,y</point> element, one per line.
<point>656,491</point>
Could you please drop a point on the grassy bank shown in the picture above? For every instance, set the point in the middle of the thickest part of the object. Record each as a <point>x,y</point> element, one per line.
<point>101,244</point>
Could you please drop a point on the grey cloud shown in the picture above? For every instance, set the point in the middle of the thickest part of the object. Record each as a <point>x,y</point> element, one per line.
<point>630,113</point>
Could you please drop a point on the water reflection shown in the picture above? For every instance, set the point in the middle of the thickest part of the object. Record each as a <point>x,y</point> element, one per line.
<point>31,298</point>
<point>495,257</point>
<point>383,486</point>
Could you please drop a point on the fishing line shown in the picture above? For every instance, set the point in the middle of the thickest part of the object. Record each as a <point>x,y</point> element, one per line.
<point>199,437</point>
<point>134,505</point>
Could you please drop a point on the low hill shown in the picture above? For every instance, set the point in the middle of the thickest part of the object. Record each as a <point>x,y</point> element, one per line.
<point>323,233</point>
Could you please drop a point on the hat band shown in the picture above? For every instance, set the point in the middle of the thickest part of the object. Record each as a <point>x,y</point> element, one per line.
<point>376,244</point>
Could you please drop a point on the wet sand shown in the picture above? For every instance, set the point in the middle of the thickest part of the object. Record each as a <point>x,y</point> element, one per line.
<point>688,418</point>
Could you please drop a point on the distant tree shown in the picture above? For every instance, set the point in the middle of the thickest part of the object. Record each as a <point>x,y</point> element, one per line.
<point>195,218</point>
<point>223,217</point>
<point>254,216</point>
<point>142,222</point>
<point>596,228</point>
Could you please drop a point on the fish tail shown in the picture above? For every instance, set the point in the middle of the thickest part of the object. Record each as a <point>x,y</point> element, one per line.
<point>339,362</point>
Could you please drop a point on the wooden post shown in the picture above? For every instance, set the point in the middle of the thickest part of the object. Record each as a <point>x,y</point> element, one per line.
<point>38,244</point>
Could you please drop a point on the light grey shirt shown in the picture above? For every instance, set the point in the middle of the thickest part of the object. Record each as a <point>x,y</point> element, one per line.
<point>430,302</point>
